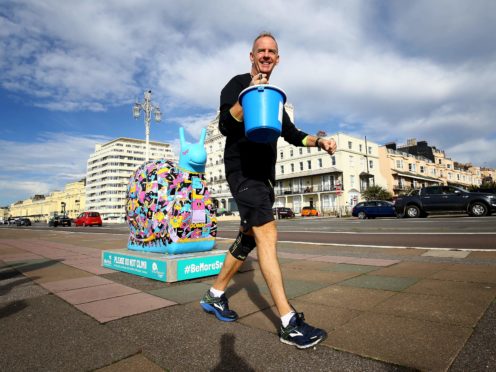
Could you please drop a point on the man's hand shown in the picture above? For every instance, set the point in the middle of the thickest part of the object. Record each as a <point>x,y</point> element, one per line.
<point>259,79</point>
<point>328,145</point>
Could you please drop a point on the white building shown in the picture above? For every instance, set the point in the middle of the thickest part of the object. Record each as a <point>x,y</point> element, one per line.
<point>306,176</point>
<point>109,170</point>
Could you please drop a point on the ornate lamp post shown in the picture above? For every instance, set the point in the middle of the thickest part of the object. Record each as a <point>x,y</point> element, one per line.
<point>147,107</point>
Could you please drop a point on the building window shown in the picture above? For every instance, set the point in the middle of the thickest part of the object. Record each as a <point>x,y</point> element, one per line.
<point>291,153</point>
<point>301,151</point>
<point>352,180</point>
<point>282,155</point>
<point>411,167</point>
<point>292,167</point>
<point>308,150</point>
<point>309,164</point>
<point>320,162</point>
<point>282,169</point>
<point>333,160</point>
<point>301,165</point>
<point>351,160</point>
<point>370,149</point>
<point>422,169</point>
<point>371,164</point>
<point>350,145</point>
<point>360,147</point>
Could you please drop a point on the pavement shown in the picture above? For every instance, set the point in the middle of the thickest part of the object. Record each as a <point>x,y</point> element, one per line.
<point>384,310</point>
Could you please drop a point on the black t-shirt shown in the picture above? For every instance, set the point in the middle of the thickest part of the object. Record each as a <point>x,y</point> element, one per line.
<point>244,158</point>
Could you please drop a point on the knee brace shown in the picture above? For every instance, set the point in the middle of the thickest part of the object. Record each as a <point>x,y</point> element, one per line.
<point>242,246</point>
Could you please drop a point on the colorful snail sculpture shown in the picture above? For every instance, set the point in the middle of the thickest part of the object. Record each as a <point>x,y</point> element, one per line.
<point>169,208</point>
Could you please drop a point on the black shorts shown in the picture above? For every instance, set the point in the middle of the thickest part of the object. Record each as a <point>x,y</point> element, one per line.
<point>254,199</point>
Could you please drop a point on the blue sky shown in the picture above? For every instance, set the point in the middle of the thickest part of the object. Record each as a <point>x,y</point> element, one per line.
<point>389,70</point>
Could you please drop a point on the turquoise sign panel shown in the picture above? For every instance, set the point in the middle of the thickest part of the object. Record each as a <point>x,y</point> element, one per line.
<point>199,267</point>
<point>149,268</point>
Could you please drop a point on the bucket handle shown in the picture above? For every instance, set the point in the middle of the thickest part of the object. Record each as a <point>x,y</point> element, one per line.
<point>260,88</point>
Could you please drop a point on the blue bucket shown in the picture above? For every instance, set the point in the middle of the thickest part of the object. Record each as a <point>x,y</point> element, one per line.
<point>263,106</point>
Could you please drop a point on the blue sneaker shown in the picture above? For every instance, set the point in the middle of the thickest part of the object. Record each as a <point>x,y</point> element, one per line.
<point>300,334</point>
<point>219,306</point>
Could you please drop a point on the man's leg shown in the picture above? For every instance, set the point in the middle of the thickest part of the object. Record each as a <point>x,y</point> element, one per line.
<point>215,301</point>
<point>266,239</point>
<point>229,268</point>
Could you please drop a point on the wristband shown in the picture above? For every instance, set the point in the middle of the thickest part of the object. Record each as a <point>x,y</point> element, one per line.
<point>317,141</point>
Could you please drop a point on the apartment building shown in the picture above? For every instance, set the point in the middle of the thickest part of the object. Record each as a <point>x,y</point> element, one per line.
<point>309,176</point>
<point>305,176</point>
<point>109,169</point>
<point>403,171</point>
<point>417,164</point>
<point>71,201</point>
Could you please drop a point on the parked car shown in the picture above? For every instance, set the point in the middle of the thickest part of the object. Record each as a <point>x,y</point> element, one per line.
<point>59,221</point>
<point>24,221</point>
<point>309,212</point>
<point>373,209</point>
<point>88,219</point>
<point>283,212</point>
<point>442,199</point>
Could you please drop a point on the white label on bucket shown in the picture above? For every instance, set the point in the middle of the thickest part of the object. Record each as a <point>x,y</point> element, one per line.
<point>281,106</point>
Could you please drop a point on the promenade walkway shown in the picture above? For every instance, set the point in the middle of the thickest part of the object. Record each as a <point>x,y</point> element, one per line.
<point>383,309</point>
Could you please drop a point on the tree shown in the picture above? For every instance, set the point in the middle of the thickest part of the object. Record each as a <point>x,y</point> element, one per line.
<point>376,193</point>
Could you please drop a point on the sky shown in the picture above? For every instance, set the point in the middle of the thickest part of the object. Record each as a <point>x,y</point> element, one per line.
<point>70,72</point>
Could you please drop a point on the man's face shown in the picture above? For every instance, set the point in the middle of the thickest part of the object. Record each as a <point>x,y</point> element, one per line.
<point>264,55</point>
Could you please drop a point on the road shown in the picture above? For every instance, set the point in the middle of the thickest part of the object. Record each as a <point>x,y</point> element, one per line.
<point>440,232</point>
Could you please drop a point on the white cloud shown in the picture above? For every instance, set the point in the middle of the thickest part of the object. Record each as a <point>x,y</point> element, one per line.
<point>44,165</point>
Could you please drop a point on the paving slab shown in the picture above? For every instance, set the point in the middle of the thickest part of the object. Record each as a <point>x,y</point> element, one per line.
<point>413,343</point>
<point>46,333</point>
<point>473,268</point>
<point>75,283</point>
<point>351,268</point>
<point>335,259</point>
<point>433,308</point>
<point>181,294</point>
<point>380,282</point>
<point>52,272</point>
<point>347,297</point>
<point>307,265</point>
<point>97,293</point>
<point>138,282</point>
<point>466,276</point>
<point>124,306</point>
<point>451,254</point>
<point>460,291</point>
<point>412,269</point>
<point>322,277</point>
<point>372,261</point>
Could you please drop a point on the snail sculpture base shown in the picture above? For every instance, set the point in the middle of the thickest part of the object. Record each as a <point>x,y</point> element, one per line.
<point>165,267</point>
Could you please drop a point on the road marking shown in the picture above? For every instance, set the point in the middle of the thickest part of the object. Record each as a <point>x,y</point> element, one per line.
<point>376,232</point>
<point>381,246</point>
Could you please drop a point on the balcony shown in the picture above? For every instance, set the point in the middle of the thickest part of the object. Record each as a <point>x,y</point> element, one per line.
<point>304,190</point>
